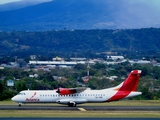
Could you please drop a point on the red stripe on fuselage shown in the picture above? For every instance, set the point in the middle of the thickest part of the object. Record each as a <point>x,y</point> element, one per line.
<point>119,95</point>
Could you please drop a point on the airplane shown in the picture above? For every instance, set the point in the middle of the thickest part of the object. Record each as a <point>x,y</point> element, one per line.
<point>74,96</point>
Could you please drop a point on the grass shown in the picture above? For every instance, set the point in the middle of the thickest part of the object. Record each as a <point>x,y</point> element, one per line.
<point>86,114</point>
<point>80,114</point>
<point>127,103</point>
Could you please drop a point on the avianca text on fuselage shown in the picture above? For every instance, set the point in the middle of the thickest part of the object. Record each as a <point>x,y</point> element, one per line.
<point>74,96</point>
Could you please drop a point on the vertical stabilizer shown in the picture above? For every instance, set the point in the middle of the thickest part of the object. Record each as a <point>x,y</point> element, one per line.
<point>128,87</point>
<point>131,82</point>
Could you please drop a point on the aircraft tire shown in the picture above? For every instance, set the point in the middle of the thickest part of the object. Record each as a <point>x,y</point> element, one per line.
<point>19,104</point>
<point>71,104</point>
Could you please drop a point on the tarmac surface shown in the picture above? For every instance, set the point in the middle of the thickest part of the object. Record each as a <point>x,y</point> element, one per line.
<point>81,108</point>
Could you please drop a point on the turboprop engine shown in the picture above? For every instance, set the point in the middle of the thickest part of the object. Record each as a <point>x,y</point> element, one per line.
<point>66,91</point>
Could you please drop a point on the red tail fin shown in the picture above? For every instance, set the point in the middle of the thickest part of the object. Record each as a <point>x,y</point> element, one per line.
<point>131,82</point>
<point>128,86</point>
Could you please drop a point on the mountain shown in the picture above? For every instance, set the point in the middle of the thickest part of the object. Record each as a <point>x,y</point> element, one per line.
<point>85,14</point>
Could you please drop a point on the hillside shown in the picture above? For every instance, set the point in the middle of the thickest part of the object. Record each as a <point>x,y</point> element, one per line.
<point>80,42</point>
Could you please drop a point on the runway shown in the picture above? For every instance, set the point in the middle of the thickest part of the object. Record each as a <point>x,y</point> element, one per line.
<point>87,108</point>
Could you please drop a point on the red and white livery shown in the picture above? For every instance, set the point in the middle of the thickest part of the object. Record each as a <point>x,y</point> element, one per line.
<point>74,96</point>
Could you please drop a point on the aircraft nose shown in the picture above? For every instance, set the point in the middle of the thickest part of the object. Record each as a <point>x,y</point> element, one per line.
<point>13,98</point>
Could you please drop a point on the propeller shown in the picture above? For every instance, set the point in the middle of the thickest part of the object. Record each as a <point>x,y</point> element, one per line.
<point>58,89</point>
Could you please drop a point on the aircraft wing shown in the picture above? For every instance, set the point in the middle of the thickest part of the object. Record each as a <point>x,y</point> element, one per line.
<point>67,91</point>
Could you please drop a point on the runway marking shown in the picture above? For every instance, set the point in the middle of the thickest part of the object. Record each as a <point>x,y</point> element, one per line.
<point>82,109</point>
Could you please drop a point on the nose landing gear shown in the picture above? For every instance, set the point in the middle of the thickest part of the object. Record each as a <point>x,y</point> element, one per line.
<point>19,104</point>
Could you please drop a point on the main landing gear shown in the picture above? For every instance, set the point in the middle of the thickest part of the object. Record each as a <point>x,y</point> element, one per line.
<point>71,104</point>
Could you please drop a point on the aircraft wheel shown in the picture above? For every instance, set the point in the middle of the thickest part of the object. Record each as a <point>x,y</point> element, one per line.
<point>72,104</point>
<point>19,104</point>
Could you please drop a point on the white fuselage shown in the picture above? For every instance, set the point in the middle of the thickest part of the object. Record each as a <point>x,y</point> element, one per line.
<point>51,96</point>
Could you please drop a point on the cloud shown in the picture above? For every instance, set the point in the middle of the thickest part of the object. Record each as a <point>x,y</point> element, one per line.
<point>8,1</point>
<point>31,1</point>
<point>35,1</point>
<point>6,5</point>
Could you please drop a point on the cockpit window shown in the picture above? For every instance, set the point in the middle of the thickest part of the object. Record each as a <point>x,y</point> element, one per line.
<point>21,94</point>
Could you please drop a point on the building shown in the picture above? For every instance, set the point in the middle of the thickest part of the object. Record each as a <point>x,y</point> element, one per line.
<point>114,58</point>
<point>139,62</point>
<point>56,63</point>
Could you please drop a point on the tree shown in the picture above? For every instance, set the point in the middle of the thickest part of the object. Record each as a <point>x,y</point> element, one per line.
<point>146,94</point>
<point>99,66</point>
<point>1,87</point>
<point>80,67</point>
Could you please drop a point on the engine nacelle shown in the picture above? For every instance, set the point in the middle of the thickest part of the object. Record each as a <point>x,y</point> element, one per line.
<point>66,91</point>
<point>69,102</point>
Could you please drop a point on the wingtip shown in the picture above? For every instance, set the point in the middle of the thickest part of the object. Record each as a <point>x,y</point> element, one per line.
<point>139,71</point>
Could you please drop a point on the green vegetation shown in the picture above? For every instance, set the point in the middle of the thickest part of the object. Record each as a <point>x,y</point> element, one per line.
<point>85,43</point>
<point>80,114</point>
